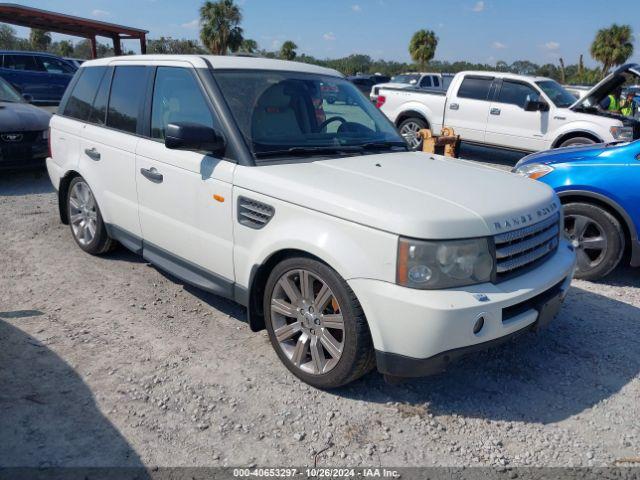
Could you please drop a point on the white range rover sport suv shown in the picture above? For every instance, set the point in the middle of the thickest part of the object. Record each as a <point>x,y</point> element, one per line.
<point>237,176</point>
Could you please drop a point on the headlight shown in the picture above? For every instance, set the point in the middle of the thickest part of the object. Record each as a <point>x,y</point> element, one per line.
<point>622,133</point>
<point>433,265</point>
<point>533,170</point>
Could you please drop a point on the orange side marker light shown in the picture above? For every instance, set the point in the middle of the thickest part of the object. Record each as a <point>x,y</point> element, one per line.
<point>218,198</point>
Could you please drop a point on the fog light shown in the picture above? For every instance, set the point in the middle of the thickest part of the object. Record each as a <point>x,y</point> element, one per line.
<point>478,326</point>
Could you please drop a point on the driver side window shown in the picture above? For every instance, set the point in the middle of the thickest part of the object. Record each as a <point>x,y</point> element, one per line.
<point>177,98</point>
<point>517,93</point>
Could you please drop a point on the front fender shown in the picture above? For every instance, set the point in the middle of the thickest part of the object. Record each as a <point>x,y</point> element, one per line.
<point>601,132</point>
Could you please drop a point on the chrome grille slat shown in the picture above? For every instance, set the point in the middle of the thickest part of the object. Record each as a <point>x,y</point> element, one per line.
<point>527,258</point>
<point>526,231</point>
<point>522,247</point>
<point>528,244</point>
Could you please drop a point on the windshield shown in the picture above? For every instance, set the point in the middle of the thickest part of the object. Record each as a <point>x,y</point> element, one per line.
<point>556,93</point>
<point>406,78</point>
<point>298,113</point>
<point>8,93</point>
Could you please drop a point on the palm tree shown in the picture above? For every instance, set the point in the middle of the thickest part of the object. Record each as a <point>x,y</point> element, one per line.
<point>221,31</point>
<point>612,46</point>
<point>39,39</point>
<point>423,46</point>
<point>65,48</point>
<point>249,46</point>
<point>288,50</point>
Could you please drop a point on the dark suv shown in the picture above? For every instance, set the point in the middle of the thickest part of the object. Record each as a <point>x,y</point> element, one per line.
<point>42,76</point>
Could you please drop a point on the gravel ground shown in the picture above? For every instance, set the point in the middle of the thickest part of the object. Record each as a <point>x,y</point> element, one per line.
<point>107,361</point>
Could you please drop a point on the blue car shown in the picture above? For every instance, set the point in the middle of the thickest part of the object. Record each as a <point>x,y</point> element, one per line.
<point>599,186</point>
<point>41,76</point>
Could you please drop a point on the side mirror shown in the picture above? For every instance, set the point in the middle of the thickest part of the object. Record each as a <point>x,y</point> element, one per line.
<point>194,137</point>
<point>27,97</point>
<point>536,106</point>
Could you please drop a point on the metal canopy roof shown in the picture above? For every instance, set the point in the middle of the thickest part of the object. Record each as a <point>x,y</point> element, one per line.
<point>70,25</point>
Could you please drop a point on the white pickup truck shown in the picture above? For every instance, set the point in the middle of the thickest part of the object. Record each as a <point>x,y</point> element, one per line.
<point>510,111</point>
<point>438,81</point>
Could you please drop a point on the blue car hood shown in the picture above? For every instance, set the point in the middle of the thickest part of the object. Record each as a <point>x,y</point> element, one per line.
<point>560,155</point>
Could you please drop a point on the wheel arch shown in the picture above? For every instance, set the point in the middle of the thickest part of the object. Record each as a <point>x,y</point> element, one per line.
<point>63,191</point>
<point>632,245</point>
<point>258,280</point>
<point>576,133</point>
<point>411,114</point>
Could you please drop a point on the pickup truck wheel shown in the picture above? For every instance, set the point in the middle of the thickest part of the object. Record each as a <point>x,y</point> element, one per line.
<point>577,141</point>
<point>85,219</point>
<point>597,237</point>
<point>410,129</point>
<point>316,324</point>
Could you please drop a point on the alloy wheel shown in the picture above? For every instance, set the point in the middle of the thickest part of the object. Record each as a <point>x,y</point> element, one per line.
<point>411,133</point>
<point>589,240</point>
<point>307,321</point>
<point>83,214</point>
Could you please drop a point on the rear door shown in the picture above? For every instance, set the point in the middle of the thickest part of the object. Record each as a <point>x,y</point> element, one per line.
<point>468,109</point>
<point>59,73</point>
<point>108,148</point>
<point>509,124</point>
<point>185,197</point>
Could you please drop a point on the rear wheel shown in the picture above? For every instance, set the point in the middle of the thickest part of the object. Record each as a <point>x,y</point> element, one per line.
<point>316,325</point>
<point>577,141</point>
<point>410,131</point>
<point>85,219</point>
<point>597,237</point>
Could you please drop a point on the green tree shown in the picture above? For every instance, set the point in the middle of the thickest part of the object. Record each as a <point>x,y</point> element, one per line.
<point>65,48</point>
<point>221,31</point>
<point>423,47</point>
<point>173,45</point>
<point>612,46</point>
<point>249,46</point>
<point>8,38</point>
<point>39,39</point>
<point>288,50</point>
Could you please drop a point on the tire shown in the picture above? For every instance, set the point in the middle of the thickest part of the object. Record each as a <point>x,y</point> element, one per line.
<point>597,237</point>
<point>314,346</point>
<point>409,129</point>
<point>571,142</point>
<point>82,205</point>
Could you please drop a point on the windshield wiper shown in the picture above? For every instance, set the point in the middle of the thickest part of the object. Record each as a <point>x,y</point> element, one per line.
<point>384,145</point>
<point>303,151</point>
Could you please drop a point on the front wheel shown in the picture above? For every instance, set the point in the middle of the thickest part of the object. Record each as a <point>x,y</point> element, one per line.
<point>316,325</point>
<point>572,142</point>
<point>597,237</point>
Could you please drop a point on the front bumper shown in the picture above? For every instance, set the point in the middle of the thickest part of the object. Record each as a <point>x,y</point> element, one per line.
<point>419,332</point>
<point>23,154</point>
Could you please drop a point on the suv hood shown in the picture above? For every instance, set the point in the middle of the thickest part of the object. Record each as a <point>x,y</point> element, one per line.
<point>606,86</point>
<point>411,194</point>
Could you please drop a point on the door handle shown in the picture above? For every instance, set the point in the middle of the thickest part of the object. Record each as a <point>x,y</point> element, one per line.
<point>494,111</point>
<point>152,174</point>
<point>454,106</point>
<point>92,153</point>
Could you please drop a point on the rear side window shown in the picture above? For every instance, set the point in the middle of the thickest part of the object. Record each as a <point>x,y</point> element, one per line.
<point>21,62</point>
<point>436,82</point>
<point>53,65</point>
<point>79,103</point>
<point>516,93</point>
<point>98,113</point>
<point>475,87</point>
<point>128,90</point>
<point>425,82</point>
<point>177,97</point>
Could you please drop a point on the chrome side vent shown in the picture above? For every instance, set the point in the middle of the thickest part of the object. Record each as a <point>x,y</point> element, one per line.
<point>254,214</point>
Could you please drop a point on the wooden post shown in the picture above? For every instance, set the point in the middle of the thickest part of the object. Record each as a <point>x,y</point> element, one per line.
<point>428,142</point>
<point>143,44</point>
<point>94,48</point>
<point>117,46</point>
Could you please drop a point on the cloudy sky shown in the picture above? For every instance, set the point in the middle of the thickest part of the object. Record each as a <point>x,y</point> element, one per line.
<point>477,31</point>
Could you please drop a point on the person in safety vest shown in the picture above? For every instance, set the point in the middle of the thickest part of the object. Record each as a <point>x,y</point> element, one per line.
<point>628,107</point>
<point>611,102</point>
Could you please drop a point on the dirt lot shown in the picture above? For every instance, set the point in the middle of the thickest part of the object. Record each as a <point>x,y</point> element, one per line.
<point>107,361</point>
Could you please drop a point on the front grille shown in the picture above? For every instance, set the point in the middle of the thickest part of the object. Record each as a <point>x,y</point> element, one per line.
<point>525,247</point>
<point>254,214</point>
